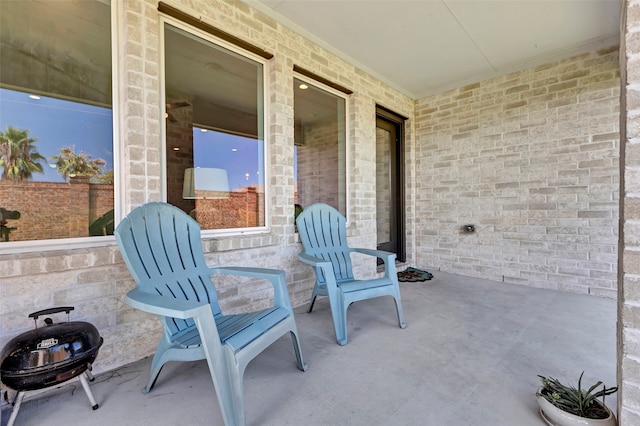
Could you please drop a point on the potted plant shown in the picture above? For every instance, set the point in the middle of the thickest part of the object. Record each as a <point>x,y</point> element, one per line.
<point>562,405</point>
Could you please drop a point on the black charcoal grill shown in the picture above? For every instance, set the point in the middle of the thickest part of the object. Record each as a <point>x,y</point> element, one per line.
<point>49,355</point>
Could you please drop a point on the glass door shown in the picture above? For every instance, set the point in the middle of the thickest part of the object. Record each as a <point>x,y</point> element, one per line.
<point>389,184</point>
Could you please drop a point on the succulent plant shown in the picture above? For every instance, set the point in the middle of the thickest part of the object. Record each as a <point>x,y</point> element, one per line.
<point>575,400</point>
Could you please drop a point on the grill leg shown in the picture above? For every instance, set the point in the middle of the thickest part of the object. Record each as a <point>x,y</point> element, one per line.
<point>87,390</point>
<point>85,385</point>
<point>16,407</point>
<point>89,374</point>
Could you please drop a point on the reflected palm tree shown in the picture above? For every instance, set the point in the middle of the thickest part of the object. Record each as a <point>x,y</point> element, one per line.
<point>19,157</point>
<point>105,177</point>
<point>70,164</point>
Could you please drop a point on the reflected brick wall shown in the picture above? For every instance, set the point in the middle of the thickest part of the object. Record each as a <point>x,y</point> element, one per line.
<point>319,165</point>
<point>241,209</point>
<point>54,210</point>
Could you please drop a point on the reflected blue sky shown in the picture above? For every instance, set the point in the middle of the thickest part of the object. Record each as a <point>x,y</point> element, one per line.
<point>57,123</point>
<point>241,156</point>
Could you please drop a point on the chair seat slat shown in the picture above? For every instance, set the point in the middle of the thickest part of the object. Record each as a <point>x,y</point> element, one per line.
<point>356,285</point>
<point>246,328</point>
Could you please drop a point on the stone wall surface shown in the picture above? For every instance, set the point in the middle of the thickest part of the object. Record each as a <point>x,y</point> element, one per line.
<point>629,261</point>
<point>530,159</point>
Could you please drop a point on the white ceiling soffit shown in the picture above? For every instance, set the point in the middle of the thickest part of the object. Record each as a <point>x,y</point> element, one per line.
<point>423,47</point>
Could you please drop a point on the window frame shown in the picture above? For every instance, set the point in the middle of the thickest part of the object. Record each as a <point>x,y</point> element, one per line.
<point>263,109</point>
<point>36,246</point>
<point>346,96</point>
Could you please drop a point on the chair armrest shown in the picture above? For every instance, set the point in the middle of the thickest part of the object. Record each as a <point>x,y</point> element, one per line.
<point>200,312</point>
<point>275,276</point>
<point>371,252</point>
<point>388,258</point>
<point>316,262</point>
<point>167,307</point>
<point>323,269</point>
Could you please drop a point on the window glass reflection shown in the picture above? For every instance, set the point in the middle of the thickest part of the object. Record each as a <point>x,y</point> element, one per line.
<point>214,132</point>
<point>320,146</point>
<point>56,137</point>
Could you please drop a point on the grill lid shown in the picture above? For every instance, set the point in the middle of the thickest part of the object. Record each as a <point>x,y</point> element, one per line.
<point>37,358</point>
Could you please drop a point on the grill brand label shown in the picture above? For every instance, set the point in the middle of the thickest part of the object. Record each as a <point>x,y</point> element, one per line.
<point>47,343</point>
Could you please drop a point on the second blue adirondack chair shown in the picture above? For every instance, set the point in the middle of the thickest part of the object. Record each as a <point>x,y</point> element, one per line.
<point>323,234</point>
<point>162,248</point>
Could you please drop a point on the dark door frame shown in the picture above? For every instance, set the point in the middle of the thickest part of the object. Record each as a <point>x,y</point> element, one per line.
<point>398,178</point>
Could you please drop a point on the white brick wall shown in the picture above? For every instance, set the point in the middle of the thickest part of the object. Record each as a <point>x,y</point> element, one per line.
<point>629,275</point>
<point>531,159</point>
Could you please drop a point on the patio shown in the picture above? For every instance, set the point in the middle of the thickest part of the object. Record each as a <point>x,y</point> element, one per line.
<point>469,356</point>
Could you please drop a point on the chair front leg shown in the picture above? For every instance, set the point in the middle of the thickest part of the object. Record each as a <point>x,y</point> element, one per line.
<point>391,272</point>
<point>227,381</point>
<point>296,347</point>
<point>314,294</point>
<point>401,322</point>
<point>339,314</point>
<point>159,359</point>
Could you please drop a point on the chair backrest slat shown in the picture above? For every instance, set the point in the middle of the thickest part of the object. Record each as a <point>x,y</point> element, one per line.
<point>323,234</point>
<point>162,248</point>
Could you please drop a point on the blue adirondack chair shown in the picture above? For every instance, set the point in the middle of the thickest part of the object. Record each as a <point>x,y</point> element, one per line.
<point>323,233</point>
<point>162,248</point>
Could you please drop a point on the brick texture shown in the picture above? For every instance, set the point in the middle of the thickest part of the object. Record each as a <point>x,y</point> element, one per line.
<point>629,275</point>
<point>531,159</point>
<point>70,208</point>
<point>321,165</point>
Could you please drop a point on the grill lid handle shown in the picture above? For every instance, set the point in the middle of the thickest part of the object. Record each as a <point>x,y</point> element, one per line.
<point>49,311</point>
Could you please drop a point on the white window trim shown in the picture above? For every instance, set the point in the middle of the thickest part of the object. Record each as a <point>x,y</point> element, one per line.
<point>34,246</point>
<point>347,131</point>
<point>229,232</point>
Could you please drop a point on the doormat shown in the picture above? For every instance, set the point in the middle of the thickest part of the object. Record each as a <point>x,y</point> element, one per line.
<point>414,275</point>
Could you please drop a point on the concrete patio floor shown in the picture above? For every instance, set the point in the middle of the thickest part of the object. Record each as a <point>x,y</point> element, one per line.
<point>470,355</point>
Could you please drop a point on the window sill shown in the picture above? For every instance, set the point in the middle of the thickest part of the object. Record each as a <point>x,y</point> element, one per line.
<point>237,242</point>
<point>38,246</point>
<point>209,243</point>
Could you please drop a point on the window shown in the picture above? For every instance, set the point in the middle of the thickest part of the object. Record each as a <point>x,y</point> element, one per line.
<point>320,171</point>
<point>56,126</point>
<point>215,148</point>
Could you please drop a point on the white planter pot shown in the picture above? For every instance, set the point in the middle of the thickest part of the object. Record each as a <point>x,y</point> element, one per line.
<point>556,417</point>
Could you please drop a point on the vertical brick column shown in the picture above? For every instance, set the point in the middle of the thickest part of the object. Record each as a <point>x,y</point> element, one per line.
<point>629,251</point>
